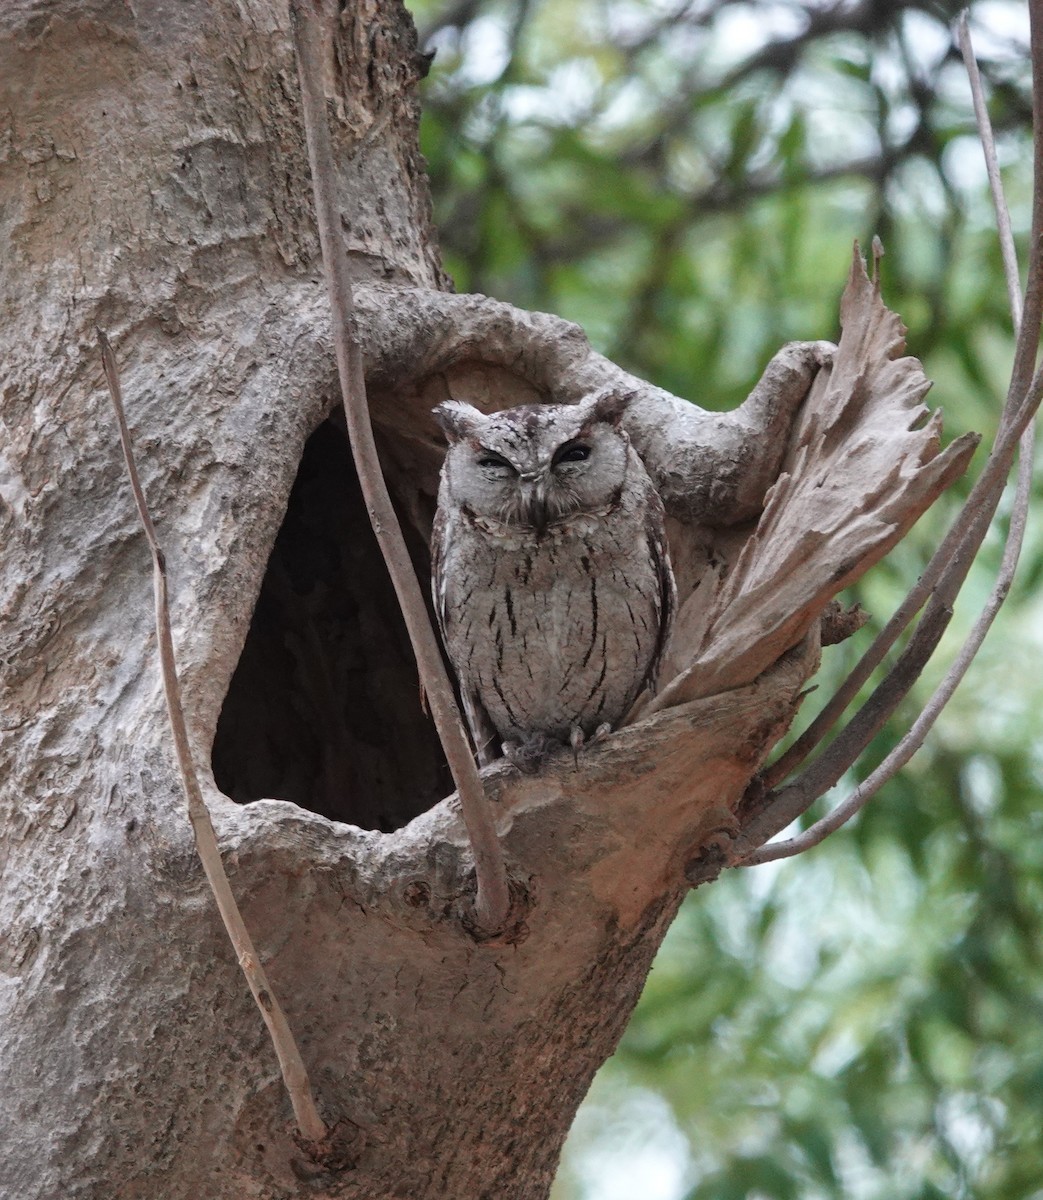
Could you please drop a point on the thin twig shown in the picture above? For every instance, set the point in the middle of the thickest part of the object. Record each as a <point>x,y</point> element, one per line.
<point>970,527</point>
<point>1013,411</point>
<point>941,581</point>
<point>294,1073</point>
<point>780,807</point>
<point>992,166</point>
<point>492,903</point>
<point>914,739</point>
<point>1027,347</point>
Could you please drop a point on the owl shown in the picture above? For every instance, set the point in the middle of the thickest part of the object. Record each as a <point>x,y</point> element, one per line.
<point>551,575</point>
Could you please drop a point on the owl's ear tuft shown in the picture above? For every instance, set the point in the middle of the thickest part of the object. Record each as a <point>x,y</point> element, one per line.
<point>459,420</point>
<point>609,406</point>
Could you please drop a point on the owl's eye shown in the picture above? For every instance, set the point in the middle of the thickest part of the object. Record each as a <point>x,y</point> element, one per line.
<point>576,452</point>
<point>494,461</point>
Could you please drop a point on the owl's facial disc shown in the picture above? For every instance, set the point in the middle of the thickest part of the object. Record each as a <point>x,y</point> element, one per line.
<point>535,468</point>
<point>525,490</point>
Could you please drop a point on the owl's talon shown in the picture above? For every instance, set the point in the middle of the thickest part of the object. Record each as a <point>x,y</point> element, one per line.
<point>578,739</point>
<point>575,741</point>
<point>528,756</point>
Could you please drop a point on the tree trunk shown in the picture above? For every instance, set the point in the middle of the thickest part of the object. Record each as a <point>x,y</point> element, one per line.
<point>153,182</point>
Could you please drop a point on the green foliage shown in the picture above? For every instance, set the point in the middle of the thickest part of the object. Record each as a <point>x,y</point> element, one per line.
<point>686,180</point>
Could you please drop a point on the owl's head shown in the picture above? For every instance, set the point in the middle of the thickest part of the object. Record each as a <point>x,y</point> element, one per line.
<point>533,466</point>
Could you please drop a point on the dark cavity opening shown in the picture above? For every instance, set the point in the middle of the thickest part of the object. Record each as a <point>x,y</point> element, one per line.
<point>324,706</point>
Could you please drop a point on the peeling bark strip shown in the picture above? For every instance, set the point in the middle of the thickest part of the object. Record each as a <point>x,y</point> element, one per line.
<point>943,576</point>
<point>864,463</point>
<point>157,185</point>
<point>294,1072</point>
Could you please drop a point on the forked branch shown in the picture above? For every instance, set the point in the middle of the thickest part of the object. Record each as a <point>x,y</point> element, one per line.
<point>972,521</point>
<point>949,566</point>
<point>294,1073</point>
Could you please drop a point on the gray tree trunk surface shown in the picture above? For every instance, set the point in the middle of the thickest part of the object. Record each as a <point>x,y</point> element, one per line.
<point>154,182</point>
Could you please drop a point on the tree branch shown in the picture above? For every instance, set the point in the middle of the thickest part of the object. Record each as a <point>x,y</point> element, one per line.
<point>492,903</point>
<point>973,521</point>
<point>294,1072</point>
<point>992,166</point>
<point>914,739</point>
<point>711,467</point>
<point>1013,410</point>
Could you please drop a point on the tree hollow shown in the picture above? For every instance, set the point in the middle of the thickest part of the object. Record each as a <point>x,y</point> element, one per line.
<point>324,708</point>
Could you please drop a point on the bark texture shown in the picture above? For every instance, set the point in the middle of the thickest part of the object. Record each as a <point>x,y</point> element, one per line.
<point>153,181</point>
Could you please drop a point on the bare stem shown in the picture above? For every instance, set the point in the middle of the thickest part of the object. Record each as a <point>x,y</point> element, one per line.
<point>1027,347</point>
<point>992,166</point>
<point>971,525</point>
<point>832,710</point>
<point>914,739</point>
<point>493,901</point>
<point>941,581</point>
<point>294,1073</point>
<point>945,579</point>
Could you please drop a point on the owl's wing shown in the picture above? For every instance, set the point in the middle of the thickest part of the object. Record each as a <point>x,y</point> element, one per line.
<point>483,732</point>
<point>438,579</point>
<point>659,554</point>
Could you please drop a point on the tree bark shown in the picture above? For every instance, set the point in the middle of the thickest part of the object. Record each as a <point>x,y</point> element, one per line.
<point>153,181</point>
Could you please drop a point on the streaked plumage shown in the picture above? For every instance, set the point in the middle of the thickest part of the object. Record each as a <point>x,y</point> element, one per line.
<point>551,576</point>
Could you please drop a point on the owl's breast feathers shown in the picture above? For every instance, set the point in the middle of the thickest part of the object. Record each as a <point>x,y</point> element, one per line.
<point>559,629</point>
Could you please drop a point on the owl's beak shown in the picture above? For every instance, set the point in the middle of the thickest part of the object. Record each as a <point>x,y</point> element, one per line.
<point>534,501</point>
